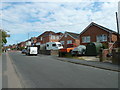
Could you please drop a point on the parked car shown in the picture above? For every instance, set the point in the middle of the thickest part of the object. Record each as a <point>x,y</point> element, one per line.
<point>66,51</point>
<point>24,51</point>
<point>80,50</point>
<point>8,49</point>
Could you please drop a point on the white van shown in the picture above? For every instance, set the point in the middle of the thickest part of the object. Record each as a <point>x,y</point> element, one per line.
<point>32,50</point>
<point>53,46</point>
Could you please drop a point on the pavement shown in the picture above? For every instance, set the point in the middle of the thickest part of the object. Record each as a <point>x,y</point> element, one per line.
<point>1,72</point>
<point>94,63</point>
<point>10,78</point>
<point>45,71</point>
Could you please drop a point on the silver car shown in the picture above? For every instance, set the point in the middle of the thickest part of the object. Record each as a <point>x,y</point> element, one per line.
<point>80,50</point>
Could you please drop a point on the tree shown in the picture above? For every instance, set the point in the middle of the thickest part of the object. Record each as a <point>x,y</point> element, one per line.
<point>3,35</point>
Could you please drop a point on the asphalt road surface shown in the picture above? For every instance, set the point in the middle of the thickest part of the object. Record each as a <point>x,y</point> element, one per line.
<point>47,72</point>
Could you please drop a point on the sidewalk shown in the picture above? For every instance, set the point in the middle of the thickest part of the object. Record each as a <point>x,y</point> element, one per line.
<point>10,77</point>
<point>0,71</point>
<point>96,64</point>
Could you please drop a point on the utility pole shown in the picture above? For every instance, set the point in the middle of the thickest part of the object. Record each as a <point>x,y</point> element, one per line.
<point>118,39</point>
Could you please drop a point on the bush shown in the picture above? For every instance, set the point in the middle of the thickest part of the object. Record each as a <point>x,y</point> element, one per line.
<point>21,48</point>
<point>105,45</point>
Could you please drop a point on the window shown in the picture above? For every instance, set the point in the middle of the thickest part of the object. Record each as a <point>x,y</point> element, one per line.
<point>62,42</point>
<point>101,38</point>
<point>52,37</point>
<point>65,35</point>
<point>86,39</point>
<point>47,45</point>
<point>59,45</point>
<point>53,45</point>
<point>57,37</point>
<point>41,38</point>
<point>69,41</point>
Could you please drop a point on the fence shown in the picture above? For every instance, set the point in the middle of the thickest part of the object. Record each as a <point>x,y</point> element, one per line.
<point>48,52</point>
<point>115,57</point>
<point>103,55</point>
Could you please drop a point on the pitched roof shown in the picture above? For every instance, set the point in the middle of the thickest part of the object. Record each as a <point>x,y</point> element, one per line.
<point>49,33</point>
<point>104,28</point>
<point>74,35</point>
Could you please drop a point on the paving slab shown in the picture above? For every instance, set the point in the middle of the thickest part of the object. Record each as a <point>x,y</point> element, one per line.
<point>97,64</point>
<point>10,77</point>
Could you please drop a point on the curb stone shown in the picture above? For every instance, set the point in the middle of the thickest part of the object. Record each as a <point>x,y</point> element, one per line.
<point>89,65</point>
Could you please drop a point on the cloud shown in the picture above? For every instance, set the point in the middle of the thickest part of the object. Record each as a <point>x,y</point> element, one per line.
<point>58,0</point>
<point>23,17</point>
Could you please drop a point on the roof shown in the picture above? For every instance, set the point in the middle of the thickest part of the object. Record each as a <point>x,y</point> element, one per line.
<point>59,33</point>
<point>104,28</point>
<point>50,33</point>
<point>74,35</point>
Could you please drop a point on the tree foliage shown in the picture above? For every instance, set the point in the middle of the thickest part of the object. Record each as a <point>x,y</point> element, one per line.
<point>4,36</point>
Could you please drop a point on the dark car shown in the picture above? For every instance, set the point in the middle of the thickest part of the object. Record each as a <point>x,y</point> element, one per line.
<point>24,51</point>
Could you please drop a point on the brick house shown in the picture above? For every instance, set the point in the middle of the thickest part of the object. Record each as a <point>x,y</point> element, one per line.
<point>33,40</point>
<point>21,45</point>
<point>97,33</point>
<point>48,36</point>
<point>14,46</point>
<point>69,38</point>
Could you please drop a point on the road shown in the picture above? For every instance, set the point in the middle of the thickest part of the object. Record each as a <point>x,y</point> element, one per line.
<point>47,72</point>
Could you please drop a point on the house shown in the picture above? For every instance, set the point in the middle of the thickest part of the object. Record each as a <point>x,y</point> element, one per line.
<point>21,45</point>
<point>14,46</point>
<point>33,40</point>
<point>97,33</point>
<point>48,36</point>
<point>69,38</point>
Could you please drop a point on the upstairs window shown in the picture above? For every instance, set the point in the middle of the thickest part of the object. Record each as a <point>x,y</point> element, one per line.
<point>41,38</point>
<point>86,39</point>
<point>69,41</point>
<point>57,37</point>
<point>52,37</point>
<point>65,35</point>
<point>101,38</point>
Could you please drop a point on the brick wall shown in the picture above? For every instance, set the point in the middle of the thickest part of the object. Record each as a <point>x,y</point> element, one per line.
<point>65,39</point>
<point>49,52</point>
<point>77,42</point>
<point>114,37</point>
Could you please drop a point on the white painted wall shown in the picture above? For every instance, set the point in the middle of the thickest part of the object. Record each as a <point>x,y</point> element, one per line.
<point>28,43</point>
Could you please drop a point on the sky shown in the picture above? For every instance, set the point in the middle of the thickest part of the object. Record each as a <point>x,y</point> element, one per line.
<point>33,18</point>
